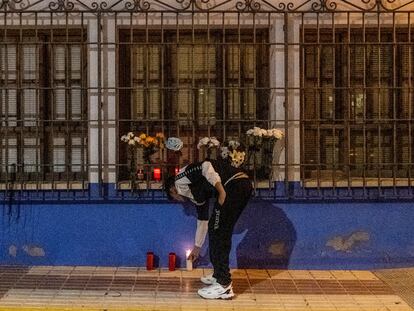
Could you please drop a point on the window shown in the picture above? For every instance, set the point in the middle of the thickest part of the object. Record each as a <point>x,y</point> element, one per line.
<point>192,84</point>
<point>357,104</point>
<point>43,105</point>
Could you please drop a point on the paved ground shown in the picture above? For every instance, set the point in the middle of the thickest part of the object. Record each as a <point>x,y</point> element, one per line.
<point>104,288</point>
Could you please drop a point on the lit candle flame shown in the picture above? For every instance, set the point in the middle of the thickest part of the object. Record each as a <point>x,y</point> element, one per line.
<point>187,253</point>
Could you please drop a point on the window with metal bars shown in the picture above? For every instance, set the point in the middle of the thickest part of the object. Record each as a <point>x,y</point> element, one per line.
<point>357,104</point>
<point>192,84</point>
<point>43,105</point>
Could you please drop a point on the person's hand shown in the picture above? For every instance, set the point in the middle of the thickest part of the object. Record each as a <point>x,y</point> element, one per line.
<point>195,253</point>
<point>221,198</point>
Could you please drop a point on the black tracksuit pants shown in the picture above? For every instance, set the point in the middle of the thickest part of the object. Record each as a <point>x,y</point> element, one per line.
<point>221,225</point>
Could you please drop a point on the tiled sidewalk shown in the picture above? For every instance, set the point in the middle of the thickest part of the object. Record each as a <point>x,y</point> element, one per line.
<point>104,288</point>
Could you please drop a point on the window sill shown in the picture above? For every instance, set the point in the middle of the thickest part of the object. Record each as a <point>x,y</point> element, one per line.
<point>263,184</point>
<point>157,185</point>
<point>139,185</point>
<point>358,182</point>
<point>58,185</point>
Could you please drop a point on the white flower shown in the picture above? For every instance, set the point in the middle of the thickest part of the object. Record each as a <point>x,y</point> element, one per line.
<point>130,135</point>
<point>234,144</point>
<point>224,152</point>
<point>124,138</point>
<point>257,131</point>
<point>214,141</point>
<point>209,142</point>
<point>131,142</point>
<point>278,134</point>
<point>137,139</point>
<point>202,142</point>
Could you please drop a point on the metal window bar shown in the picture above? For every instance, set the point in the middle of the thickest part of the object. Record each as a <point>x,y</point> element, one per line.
<point>356,149</point>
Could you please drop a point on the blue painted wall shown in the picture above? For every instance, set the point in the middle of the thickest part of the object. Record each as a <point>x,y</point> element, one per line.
<point>272,235</point>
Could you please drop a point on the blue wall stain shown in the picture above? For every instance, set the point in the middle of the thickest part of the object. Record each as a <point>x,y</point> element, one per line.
<point>268,234</point>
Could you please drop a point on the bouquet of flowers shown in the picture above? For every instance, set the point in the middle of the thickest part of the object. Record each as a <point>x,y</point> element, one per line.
<point>232,152</point>
<point>208,143</point>
<point>263,140</point>
<point>258,132</point>
<point>258,137</point>
<point>150,144</point>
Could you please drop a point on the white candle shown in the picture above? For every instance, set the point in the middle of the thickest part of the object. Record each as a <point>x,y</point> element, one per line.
<point>188,260</point>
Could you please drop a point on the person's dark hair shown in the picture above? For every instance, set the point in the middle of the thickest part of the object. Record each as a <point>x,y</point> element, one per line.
<point>168,183</point>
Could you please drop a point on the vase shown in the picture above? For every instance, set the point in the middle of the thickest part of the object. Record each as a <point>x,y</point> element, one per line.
<point>140,175</point>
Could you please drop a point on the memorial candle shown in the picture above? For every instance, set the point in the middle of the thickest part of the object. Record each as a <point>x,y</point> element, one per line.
<point>157,174</point>
<point>171,261</point>
<point>188,260</point>
<point>150,260</point>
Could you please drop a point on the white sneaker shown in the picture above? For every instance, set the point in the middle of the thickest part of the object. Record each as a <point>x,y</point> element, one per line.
<point>208,279</point>
<point>217,291</point>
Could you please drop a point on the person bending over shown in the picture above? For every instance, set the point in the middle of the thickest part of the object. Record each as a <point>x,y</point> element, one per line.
<point>232,187</point>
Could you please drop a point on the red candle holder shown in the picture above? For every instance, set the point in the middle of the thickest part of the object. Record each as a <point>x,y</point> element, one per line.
<point>176,170</point>
<point>171,261</point>
<point>150,261</point>
<point>157,174</point>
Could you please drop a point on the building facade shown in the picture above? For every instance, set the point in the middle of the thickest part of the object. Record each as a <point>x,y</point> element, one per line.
<point>335,76</point>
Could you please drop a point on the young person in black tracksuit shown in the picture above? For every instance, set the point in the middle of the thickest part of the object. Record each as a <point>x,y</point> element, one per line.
<point>232,187</point>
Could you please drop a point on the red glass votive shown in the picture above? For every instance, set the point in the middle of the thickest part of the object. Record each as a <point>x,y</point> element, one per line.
<point>157,174</point>
<point>171,261</point>
<point>176,170</point>
<point>150,260</point>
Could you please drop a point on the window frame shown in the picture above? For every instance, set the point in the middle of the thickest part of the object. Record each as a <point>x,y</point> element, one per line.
<point>127,37</point>
<point>46,124</point>
<point>378,123</point>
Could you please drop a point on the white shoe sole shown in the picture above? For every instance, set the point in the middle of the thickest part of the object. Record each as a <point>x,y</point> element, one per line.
<point>225,296</point>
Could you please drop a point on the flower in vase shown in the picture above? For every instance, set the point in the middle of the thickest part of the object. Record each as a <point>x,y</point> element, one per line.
<point>149,140</point>
<point>234,144</point>
<point>130,139</point>
<point>150,144</point>
<point>203,142</point>
<point>209,142</point>
<point>269,133</point>
<point>237,158</point>
<point>233,153</point>
<point>224,152</point>
<point>124,138</point>
<point>278,134</point>
<point>274,133</point>
<point>252,131</point>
